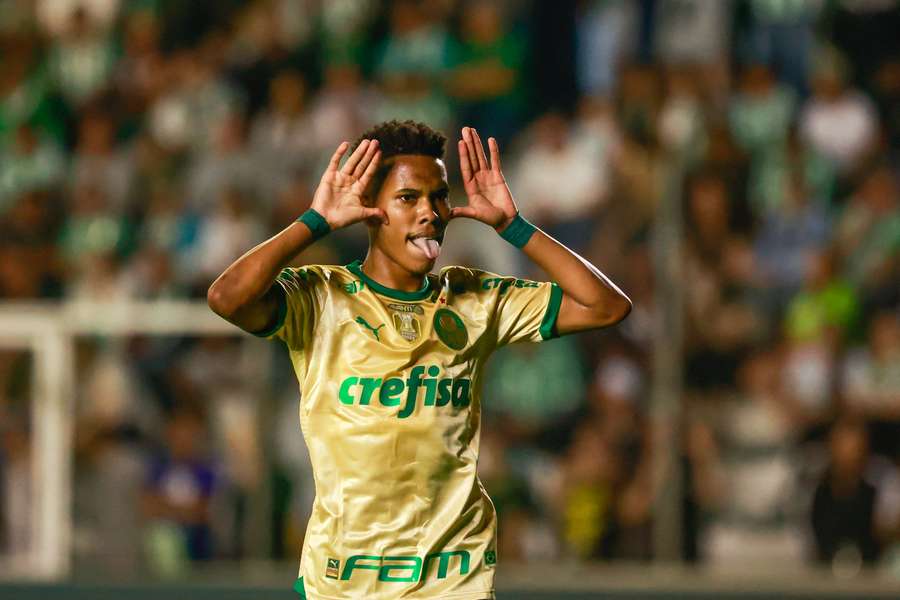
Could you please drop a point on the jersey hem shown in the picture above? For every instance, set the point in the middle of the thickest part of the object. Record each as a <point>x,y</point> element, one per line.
<point>548,323</point>
<point>477,595</point>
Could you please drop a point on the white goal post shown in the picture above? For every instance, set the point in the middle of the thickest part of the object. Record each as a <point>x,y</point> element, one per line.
<point>48,331</point>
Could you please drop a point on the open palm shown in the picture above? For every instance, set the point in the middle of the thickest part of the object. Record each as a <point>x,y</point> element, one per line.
<point>490,200</point>
<point>339,197</point>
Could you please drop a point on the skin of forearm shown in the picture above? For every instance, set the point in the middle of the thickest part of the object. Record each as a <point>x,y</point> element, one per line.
<point>578,278</point>
<point>250,276</point>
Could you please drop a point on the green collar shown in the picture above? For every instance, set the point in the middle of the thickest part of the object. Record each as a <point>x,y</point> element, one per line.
<point>421,294</point>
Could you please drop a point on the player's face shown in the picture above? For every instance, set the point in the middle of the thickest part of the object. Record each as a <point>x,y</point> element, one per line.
<point>414,195</point>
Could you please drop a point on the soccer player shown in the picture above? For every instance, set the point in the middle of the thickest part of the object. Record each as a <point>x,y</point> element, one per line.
<point>389,358</point>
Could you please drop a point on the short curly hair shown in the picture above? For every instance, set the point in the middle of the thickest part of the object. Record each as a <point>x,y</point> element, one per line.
<point>405,137</point>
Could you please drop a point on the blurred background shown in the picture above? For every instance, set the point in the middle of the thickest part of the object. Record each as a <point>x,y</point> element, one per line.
<point>732,165</point>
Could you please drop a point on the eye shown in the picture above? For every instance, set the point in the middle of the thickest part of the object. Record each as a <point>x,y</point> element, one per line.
<point>407,197</point>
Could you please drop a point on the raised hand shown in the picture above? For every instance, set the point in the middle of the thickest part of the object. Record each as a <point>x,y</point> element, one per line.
<point>339,197</point>
<point>490,200</point>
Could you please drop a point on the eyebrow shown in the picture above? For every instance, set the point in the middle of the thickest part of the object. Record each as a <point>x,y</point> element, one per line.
<point>407,190</point>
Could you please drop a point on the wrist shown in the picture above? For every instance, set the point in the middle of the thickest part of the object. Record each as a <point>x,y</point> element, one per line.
<point>505,223</point>
<point>517,231</point>
<point>316,223</point>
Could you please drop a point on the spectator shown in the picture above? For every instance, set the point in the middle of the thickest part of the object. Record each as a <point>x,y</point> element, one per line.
<point>681,124</point>
<point>860,31</point>
<point>761,111</point>
<point>228,230</point>
<point>789,237</point>
<point>109,451</point>
<point>96,161</point>
<point>486,70</point>
<point>691,32</point>
<point>886,94</point>
<point>781,34</point>
<point>190,111</point>
<point>769,185</point>
<point>177,494</point>
<point>30,228</point>
<point>536,399</point>
<point>605,36</point>
<point>93,227</point>
<point>140,72</point>
<point>826,306</point>
<point>757,515</point>
<point>868,233</point>
<point>168,226</point>
<point>527,537</point>
<point>81,59</point>
<point>340,108</point>
<point>872,376</point>
<point>410,61</point>
<point>282,140</point>
<point>591,474</point>
<point>229,164</point>
<point>29,162</point>
<point>838,121</point>
<point>555,184</point>
<point>844,502</point>
<point>25,93</point>
<point>721,316</point>
<point>16,488</point>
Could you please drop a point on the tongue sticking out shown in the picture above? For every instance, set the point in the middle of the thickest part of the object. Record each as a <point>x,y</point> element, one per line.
<point>429,247</point>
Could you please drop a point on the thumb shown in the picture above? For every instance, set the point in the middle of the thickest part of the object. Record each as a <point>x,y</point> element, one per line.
<point>375,215</point>
<point>463,211</point>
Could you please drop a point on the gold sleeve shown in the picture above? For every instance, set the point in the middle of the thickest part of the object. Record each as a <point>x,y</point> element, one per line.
<point>297,308</point>
<point>526,311</point>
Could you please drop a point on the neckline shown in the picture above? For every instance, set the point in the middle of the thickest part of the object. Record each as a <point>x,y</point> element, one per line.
<point>356,268</point>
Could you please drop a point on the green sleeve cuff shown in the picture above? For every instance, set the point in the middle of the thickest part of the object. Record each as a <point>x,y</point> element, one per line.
<point>281,314</point>
<point>548,323</point>
<point>300,588</point>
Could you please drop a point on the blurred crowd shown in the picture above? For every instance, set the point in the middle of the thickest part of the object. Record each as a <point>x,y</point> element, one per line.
<point>145,144</point>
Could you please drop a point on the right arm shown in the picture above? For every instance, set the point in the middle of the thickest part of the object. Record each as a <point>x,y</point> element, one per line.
<point>243,294</point>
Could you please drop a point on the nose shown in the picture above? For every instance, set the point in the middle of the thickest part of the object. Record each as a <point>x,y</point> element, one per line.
<point>427,211</point>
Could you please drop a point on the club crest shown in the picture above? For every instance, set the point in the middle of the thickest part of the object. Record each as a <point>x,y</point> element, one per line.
<point>450,329</point>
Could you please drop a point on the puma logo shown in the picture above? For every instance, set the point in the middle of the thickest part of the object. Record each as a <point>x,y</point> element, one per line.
<point>365,324</point>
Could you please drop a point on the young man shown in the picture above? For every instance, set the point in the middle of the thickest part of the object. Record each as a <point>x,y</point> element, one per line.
<point>389,360</point>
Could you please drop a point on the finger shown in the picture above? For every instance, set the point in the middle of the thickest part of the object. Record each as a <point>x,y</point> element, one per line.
<point>470,149</point>
<point>479,151</point>
<point>463,211</point>
<point>363,164</point>
<point>371,168</point>
<point>336,157</point>
<point>355,157</point>
<point>376,214</point>
<point>495,156</point>
<point>464,165</point>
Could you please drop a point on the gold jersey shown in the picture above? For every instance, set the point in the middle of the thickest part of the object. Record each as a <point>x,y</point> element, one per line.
<point>390,411</point>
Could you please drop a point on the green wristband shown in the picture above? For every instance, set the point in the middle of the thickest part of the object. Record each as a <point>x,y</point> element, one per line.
<point>316,223</point>
<point>518,232</point>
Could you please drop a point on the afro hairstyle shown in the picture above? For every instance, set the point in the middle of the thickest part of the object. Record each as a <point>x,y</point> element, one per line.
<point>405,137</point>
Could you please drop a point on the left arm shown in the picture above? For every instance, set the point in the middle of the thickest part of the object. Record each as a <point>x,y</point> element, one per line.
<point>590,300</point>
